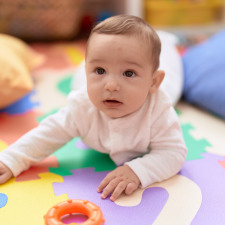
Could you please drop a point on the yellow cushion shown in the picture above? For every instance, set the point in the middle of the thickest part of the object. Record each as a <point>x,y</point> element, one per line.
<point>16,61</point>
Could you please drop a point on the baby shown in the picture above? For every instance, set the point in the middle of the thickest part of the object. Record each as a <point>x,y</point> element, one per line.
<point>122,112</point>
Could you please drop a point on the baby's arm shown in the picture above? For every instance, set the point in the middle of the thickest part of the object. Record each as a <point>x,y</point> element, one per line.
<point>167,151</point>
<point>37,144</point>
<point>122,179</point>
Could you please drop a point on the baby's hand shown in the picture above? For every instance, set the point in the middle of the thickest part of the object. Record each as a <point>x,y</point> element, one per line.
<point>5,173</point>
<point>121,179</point>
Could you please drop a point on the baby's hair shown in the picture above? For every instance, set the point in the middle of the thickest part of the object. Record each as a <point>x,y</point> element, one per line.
<point>132,25</point>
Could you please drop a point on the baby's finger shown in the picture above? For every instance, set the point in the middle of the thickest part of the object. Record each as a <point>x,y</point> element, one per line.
<point>110,188</point>
<point>4,177</point>
<point>103,184</point>
<point>131,187</point>
<point>118,190</point>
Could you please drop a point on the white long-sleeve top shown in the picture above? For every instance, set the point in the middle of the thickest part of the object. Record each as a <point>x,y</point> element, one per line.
<point>149,140</point>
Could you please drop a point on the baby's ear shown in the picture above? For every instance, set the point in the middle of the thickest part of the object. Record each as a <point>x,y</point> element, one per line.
<point>157,79</point>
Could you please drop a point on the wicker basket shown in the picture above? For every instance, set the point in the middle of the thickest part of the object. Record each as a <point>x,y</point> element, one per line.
<point>41,19</point>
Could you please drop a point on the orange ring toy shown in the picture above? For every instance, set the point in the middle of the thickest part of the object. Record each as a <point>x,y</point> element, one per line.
<point>92,211</point>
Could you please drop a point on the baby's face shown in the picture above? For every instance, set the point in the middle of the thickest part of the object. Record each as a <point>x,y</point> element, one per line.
<point>119,73</point>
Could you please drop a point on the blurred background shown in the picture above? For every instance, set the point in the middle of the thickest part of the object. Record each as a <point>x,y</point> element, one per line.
<point>38,20</point>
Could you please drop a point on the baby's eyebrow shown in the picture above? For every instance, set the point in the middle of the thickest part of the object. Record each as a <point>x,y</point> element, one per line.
<point>95,60</point>
<point>133,63</point>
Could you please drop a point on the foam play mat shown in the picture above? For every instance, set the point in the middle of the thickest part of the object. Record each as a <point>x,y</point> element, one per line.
<point>194,196</point>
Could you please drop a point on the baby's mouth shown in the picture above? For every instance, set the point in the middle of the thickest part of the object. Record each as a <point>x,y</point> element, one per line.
<point>112,103</point>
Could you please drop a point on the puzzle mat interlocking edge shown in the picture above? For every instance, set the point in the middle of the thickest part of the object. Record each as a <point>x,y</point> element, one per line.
<point>194,196</point>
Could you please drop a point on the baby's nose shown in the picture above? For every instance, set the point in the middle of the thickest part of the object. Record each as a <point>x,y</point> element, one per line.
<point>112,84</point>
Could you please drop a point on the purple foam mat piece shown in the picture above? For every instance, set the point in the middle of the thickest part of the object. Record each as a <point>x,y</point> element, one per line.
<point>80,144</point>
<point>83,185</point>
<point>209,175</point>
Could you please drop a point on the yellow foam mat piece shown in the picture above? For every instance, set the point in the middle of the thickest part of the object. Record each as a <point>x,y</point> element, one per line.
<point>3,145</point>
<point>29,201</point>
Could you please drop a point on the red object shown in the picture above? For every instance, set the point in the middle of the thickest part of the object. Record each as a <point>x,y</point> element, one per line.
<point>87,23</point>
<point>94,213</point>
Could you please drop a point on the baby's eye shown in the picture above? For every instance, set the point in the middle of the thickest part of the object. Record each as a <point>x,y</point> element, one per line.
<point>100,71</point>
<point>129,73</point>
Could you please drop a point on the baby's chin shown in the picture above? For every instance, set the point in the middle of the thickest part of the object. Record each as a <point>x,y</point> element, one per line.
<point>113,115</point>
<point>117,114</point>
